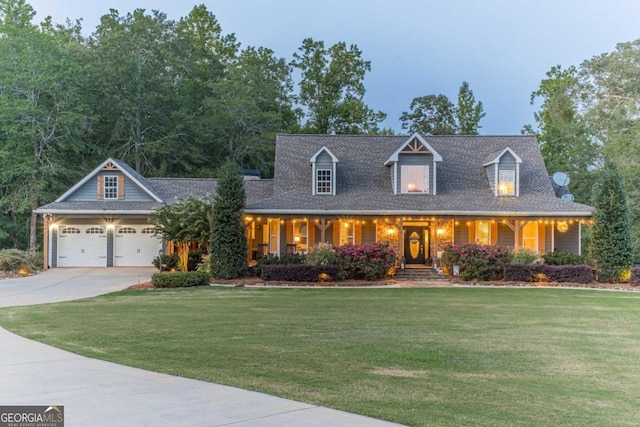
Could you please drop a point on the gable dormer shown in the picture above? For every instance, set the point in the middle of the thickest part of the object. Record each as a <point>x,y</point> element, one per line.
<point>323,169</point>
<point>113,180</point>
<point>413,167</point>
<point>503,172</point>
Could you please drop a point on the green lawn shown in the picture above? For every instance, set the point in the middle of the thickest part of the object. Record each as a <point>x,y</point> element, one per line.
<point>430,356</point>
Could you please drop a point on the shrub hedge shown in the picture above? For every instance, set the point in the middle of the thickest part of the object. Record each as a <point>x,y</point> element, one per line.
<point>635,276</point>
<point>180,279</point>
<point>563,257</point>
<point>298,272</point>
<point>553,273</point>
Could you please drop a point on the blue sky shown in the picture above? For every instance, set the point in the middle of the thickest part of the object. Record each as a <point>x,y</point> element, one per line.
<point>503,48</point>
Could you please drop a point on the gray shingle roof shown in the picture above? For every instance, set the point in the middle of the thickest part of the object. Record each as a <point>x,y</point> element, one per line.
<point>364,183</point>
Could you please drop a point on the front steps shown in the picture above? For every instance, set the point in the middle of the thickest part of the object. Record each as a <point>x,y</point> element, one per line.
<point>420,275</point>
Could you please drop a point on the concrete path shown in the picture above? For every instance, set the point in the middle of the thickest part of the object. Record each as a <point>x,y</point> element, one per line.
<point>98,393</point>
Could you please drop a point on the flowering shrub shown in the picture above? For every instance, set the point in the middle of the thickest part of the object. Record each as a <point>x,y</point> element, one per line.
<point>477,262</point>
<point>369,260</point>
<point>322,254</point>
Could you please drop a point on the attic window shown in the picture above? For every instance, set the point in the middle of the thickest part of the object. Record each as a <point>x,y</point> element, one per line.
<point>110,187</point>
<point>507,182</point>
<point>414,178</point>
<point>323,181</point>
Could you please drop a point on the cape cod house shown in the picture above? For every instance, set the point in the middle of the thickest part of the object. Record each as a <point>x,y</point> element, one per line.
<point>419,193</point>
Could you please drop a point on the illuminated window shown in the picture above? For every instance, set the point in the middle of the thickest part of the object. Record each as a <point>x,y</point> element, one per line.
<point>274,236</point>
<point>530,236</point>
<point>414,178</point>
<point>110,187</point>
<point>483,232</point>
<point>507,182</point>
<point>347,234</point>
<point>323,181</point>
<point>300,235</point>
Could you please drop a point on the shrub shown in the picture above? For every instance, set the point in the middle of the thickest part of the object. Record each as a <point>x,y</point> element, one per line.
<point>299,272</point>
<point>195,259</point>
<point>563,257</point>
<point>371,261</point>
<point>288,259</point>
<point>180,279</point>
<point>524,255</point>
<point>169,262</point>
<point>15,259</point>
<point>553,273</point>
<point>322,254</point>
<point>477,262</point>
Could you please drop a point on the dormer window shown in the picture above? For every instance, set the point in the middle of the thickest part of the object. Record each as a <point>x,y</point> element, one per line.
<point>507,182</point>
<point>414,178</point>
<point>413,167</point>
<point>323,165</point>
<point>503,172</point>
<point>324,181</point>
<point>110,187</point>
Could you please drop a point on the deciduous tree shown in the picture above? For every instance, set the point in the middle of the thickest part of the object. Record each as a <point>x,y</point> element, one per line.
<point>332,89</point>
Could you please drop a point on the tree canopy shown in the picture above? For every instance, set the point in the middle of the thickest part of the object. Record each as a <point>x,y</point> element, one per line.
<point>437,115</point>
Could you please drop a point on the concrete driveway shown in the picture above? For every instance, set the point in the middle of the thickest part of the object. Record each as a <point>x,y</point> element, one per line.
<point>98,393</point>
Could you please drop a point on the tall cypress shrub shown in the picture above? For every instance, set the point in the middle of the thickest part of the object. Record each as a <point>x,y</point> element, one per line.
<point>610,247</point>
<point>228,242</point>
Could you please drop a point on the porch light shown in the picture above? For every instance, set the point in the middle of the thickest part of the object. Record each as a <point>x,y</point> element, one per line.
<point>296,239</point>
<point>391,231</point>
<point>562,226</point>
<point>441,231</point>
<point>53,226</point>
<point>110,227</point>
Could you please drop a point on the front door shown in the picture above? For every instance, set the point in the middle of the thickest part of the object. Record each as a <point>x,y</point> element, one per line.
<point>414,245</point>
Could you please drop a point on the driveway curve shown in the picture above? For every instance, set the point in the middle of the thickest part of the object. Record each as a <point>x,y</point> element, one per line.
<point>99,393</point>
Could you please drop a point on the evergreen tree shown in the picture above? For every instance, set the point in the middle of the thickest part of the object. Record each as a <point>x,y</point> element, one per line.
<point>610,246</point>
<point>228,242</point>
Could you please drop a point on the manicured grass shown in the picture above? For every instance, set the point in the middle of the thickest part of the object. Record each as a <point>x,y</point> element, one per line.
<point>445,356</point>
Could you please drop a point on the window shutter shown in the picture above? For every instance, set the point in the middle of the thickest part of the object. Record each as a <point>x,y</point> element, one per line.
<point>494,233</point>
<point>100,187</point>
<point>120,187</point>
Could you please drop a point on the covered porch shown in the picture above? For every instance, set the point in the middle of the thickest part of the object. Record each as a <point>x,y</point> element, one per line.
<point>418,240</point>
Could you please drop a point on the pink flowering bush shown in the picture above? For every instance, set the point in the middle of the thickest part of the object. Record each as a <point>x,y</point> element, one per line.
<point>370,261</point>
<point>477,262</point>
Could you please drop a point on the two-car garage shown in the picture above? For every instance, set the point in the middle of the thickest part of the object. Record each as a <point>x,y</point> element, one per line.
<point>87,245</point>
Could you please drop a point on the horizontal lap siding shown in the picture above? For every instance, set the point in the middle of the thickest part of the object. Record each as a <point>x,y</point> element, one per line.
<point>89,191</point>
<point>570,240</point>
<point>505,235</point>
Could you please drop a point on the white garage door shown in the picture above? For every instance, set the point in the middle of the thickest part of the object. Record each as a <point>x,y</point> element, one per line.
<point>136,246</point>
<point>82,246</point>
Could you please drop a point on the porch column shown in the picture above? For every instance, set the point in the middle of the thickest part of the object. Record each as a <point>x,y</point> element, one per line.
<point>553,236</point>
<point>323,226</point>
<point>45,242</point>
<point>516,231</point>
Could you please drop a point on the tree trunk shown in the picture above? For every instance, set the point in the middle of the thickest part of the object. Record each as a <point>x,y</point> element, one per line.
<point>33,228</point>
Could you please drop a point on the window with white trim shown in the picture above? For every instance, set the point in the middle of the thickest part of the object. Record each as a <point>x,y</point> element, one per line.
<point>274,236</point>
<point>483,232</point>
<point>300,235</point>
<point>323,181</point>
<point>507,182</point>
<point>127,230</point>
<point>347,233</point>
<point>414,178</point>
<point>110,187</point>
<point>95,230</point>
